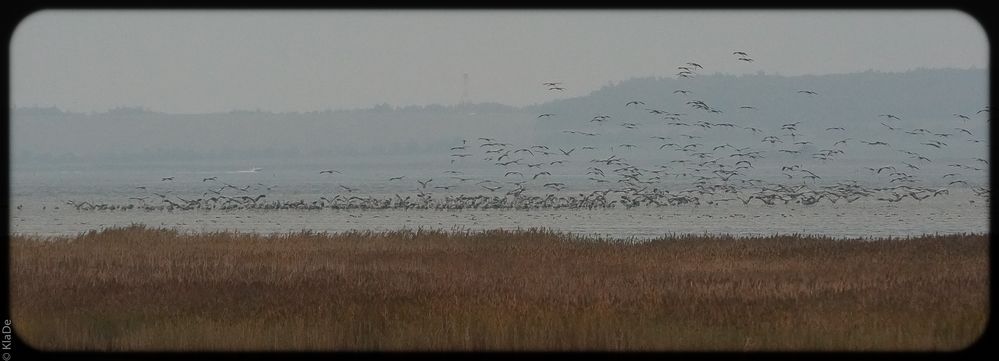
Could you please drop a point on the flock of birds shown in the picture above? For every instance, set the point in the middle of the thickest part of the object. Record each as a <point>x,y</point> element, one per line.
<point>716,173</point>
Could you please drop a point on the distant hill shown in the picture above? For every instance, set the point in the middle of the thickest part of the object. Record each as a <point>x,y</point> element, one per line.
<point>921,98</point>
<point>925,98</point>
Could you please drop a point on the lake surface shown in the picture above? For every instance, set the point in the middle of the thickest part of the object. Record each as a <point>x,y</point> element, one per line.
<point>43,195</point>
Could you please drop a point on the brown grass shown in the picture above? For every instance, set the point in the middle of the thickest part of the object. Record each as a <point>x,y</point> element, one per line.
<point>153,289</point>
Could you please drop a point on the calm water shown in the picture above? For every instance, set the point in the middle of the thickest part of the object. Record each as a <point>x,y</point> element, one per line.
<point>42,196</point>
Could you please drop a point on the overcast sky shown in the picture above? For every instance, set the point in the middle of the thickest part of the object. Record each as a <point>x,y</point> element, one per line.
<point>211,61</point>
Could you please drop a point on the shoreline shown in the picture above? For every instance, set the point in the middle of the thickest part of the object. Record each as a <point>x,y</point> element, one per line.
<point>458,230</point>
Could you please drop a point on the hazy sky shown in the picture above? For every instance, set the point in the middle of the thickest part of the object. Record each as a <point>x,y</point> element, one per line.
<point>211,61</point>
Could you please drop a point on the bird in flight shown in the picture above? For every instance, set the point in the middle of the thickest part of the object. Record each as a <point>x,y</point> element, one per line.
<point>545,115</point>
<point>166,179</point>
<point>748,60</point>
<point>551,84</point>
<point>740,53</point>
<point>542,173</point>
<point>885,168</point>
<point>809,92</point>
<point>397,178</point>
<point>636,102</point>
<point>330,171</point>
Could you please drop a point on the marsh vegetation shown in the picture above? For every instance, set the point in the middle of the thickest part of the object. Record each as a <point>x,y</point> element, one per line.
<point>139,288</point>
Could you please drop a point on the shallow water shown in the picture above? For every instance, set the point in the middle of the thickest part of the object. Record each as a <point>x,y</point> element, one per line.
<point>42,197</point>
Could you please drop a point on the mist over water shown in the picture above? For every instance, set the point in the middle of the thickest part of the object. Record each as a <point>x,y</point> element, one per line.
<point>119,159</point>
<point>960,211</point>
<point>731,146</point>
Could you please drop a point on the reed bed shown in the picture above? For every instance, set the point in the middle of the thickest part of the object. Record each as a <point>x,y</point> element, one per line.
<point>138,288</point>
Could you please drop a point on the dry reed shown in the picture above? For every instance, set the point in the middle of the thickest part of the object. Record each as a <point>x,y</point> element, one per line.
<point>137,288</point>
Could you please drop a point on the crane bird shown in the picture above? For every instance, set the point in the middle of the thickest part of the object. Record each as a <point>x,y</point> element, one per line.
<point>542,173</point>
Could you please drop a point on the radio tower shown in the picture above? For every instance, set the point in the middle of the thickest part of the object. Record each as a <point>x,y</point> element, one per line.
<point>464,88</point>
